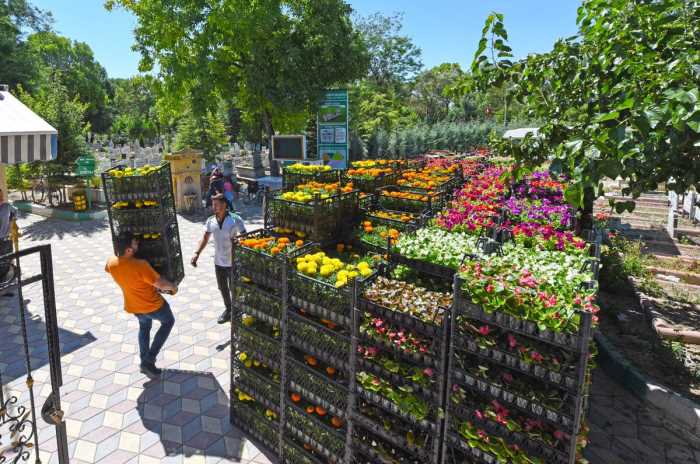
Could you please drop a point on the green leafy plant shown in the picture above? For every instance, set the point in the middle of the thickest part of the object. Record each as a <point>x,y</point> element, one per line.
<point>620,98</point>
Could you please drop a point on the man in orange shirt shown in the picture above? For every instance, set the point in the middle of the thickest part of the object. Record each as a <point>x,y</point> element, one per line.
<point>140,284</point>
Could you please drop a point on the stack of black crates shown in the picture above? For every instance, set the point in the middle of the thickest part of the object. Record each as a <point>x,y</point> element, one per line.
<point>298,393</point>
<point>385,432</point>
<point>142,202</point>
<point>292,179</point>
<point>303,397</point>
<point>292,363</point>
<point>549,397</point>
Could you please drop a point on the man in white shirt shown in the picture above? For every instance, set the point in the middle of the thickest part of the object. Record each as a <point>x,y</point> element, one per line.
<point>224,227</point>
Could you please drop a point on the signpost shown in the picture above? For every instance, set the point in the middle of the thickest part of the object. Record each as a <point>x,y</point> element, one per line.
<point>85,167</point>
<point>332,127</point>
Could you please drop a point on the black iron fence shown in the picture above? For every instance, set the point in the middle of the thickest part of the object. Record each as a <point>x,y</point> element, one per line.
<point>19,428</point>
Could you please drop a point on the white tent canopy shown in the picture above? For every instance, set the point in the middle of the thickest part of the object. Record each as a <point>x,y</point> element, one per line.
<point>24,136</point>
<point>519,134</point>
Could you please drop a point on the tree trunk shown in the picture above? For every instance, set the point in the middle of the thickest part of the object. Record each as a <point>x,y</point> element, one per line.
<point>586,222</point>
<point>267,121</point>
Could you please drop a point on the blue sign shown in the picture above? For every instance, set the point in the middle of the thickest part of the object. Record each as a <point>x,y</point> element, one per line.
<point>332,129</point>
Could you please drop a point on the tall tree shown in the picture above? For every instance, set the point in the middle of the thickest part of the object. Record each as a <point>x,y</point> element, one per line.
<point>16,18</point>
<point>430,96</point>
<point>394,59</point>
<point>619,99</point>
<point>270,55</point>
<point>377,110</point>
<point>82,75</point>
<point>65,113</point>
<point>133,109</point>
<point>206,133</point>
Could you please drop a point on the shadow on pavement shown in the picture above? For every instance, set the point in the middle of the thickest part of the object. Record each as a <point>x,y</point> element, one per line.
<point>52,228</point>
<point>190,413</point>
<point>13,361</point>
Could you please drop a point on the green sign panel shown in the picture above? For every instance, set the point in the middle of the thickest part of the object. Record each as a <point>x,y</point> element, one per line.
<point>332,127</point>
<point>85,166</point>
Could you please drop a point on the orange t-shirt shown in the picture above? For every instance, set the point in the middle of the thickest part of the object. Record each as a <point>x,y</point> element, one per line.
<point>136,278</point>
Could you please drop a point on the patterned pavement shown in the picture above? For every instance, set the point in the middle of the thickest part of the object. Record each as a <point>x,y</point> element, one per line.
<point>116,415</point>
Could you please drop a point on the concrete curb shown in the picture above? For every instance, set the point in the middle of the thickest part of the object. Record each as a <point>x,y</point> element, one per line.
<point>29,207</point>
<point>676,407</point>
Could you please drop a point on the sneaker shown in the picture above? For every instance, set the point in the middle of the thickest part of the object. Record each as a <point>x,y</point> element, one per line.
<point>150,370</point>
<point>225,317</point>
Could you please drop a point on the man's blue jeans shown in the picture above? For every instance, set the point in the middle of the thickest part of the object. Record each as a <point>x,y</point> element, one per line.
<point>149,350</point>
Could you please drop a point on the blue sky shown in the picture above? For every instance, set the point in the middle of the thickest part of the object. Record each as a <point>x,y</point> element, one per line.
<point>445,30</point>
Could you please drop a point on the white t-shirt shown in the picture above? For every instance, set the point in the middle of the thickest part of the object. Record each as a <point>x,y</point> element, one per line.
<point>223,234</point>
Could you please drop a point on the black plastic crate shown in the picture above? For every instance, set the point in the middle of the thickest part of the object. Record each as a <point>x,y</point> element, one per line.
<point>292,179</point>
<point>372,443</point>
<point>568,384</point>
<point>321,299</point>
<point>321,219</point>
<point>329,346</point>
<point>376,218</point>
<point>265,389</point>
<point>417,203</point>
<point>259,346</point>
<point>155,224</point>
<point>296,454</point>
<point>154,185</point>
<point>254,422</point>
<point>328,442</point>
<point>368,185</point>
<point>261,268</point>
<point>257,302</point>
<point>368,202</point>
<point>318,388</point>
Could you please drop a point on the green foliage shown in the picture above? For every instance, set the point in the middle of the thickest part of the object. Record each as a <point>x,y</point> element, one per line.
<point>133,109</point>
<point>262,55</point>
<point>421,138</point>
<point>17,65</point>
<point>17,176</point>
<point>619,99</point>
<point>623,258</point>
<point>394,59</point>
<point>206,133</point>
<point>430,98</point>
<point>65,113</point>
<point>378,110</point>
<point>82,76</point>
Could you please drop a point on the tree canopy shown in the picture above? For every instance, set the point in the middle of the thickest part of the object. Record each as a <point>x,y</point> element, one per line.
<point>65,113</point>
<point>81,74</point>
<point>394,58</point>
<point>618,99</point>
<point>133,109</point>
<point>17,66</point>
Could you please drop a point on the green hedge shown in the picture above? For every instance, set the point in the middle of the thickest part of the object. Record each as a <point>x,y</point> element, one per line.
<point>416,140</point>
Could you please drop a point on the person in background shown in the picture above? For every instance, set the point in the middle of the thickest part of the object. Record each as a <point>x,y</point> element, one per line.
<point>225,228</point>
<point>7,215</point>
<point>216,185</point>
<point>140,284</point>
<point>236,189</point>
<point>228,192</point>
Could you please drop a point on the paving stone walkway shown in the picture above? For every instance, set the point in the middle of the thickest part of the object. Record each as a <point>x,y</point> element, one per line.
<point>625,430</point>
<point>115,415</point>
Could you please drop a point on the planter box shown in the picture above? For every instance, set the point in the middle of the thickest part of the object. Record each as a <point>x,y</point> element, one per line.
<point>292,179</point>
<point>321,220</point>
